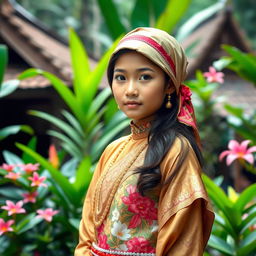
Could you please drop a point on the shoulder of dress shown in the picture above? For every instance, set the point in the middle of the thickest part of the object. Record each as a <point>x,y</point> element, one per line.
<point>118,142</point>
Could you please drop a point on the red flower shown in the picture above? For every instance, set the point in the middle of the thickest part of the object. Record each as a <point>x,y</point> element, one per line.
<point>102,242</point>
<point>185,93</point>
<point>140,244</point>
<point>143,207</point>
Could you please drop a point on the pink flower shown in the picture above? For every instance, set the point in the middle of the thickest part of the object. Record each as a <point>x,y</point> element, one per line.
<point>46,214</point>
<point>5,226</point>
<point>185,93</point>
<point>13,208</point>
<point>213,76</point>
<point>37,181</point>
<point>7,167</point>
<point>29,168</point>
<point>140,244</point>
<point>143,207</point>
<point>13,175</point>
<point>30,197</point>
<point>238,151</point>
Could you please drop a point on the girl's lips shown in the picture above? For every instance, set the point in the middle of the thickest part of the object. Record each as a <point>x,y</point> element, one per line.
<point>132,104</point>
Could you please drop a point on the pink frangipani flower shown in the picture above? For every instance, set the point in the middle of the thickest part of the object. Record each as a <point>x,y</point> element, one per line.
<point>29,168</point>
<point>13,208</point>
<point>7,167</point>
<point>213,76</point>
<point>238,151</point>
<point>13,175</point>
<point>37,181</point>
<point>46,214</point>
<point>30,197</point>
<point>5,226</point>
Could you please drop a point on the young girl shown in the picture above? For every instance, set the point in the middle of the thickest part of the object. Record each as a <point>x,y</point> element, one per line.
<point>146,196</point>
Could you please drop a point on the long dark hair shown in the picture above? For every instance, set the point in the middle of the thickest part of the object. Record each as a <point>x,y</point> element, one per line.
<point>165,128</point>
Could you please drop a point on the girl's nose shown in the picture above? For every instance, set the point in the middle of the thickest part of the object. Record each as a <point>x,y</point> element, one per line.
<point>131,89</point>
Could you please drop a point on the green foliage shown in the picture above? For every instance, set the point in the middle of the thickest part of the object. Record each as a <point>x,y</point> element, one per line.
<point>65,193</point>
<point>244,125</point>
<point>244,64</point>
<point>3,61</point>
<point>163,15</point>
<point>213,130</point>
<point>83,133</point>
<point>198,18</point>
<point>233,232</point>
<point>14,129</point>
<point>172,14</point>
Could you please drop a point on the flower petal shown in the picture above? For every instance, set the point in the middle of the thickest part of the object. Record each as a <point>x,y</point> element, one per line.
<point>244,145</point>
<point>251,149</point>
<point>231,158</point>
<point>224,153</point>
<point>249,158</point>
<point>233,145</point>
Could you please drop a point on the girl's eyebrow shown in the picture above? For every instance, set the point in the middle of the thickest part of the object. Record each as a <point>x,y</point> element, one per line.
<point>139,69</point>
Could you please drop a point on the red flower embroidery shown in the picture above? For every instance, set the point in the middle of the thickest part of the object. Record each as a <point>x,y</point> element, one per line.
<point>140,244</point>
<point>143,207</point>
<point>102,242</point>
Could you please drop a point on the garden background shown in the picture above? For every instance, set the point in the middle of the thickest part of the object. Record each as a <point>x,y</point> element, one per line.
<point>57,113</point>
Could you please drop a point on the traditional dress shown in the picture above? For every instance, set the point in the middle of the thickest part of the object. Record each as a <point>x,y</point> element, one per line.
<point>172,220</point>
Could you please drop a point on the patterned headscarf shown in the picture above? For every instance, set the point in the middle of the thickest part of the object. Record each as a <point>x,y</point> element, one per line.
<point>164,50</point>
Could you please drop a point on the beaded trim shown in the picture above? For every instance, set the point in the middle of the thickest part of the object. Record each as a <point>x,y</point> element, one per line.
<point>109,252</point>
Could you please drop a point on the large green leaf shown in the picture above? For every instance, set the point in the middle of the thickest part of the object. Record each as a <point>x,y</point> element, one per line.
<point>57,176</point>
<point>112,18</point>
<point>14,129</point>
<point>244,64</point>
<point>3,61</point>
<point>147,12</point>
<point>8,87</point>
<point>172,14</point>
<point>30,221</point>
<point>97,103</point>
<point>95,78</point>
<point>83,176</point>
<point>60,87</point>
<point>245,197</point>
<point>220,199</point>
<point>80,65</point>
<point>221,245</point>
<point>69,130</point>
<point>191,24</point>
<point>248,245</point>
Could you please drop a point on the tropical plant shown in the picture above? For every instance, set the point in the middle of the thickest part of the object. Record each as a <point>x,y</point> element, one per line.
<point>244,64</point>
<point>213,129</point>
<point>84,133</point>
<point>24,179</point>
<point>234,229</point>
<point>145,13</point>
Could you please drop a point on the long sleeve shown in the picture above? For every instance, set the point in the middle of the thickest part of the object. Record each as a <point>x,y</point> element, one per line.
<point>184,233</point>
<point>185,215</point>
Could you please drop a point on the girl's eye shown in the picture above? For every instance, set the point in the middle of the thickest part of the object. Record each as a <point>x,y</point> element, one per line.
<point>119,77</point>
<point>145,77</point>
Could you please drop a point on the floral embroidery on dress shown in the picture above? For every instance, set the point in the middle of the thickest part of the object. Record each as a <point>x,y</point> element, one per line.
<point>132,221</point>
<point>142,206</point>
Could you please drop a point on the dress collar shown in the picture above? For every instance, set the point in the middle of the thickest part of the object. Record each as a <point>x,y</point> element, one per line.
<point>140,129</point>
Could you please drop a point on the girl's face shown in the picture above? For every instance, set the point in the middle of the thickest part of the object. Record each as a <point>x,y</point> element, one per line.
<point>139,86</point>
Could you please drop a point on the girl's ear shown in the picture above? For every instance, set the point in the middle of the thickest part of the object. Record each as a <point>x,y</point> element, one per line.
<point>170,87</point>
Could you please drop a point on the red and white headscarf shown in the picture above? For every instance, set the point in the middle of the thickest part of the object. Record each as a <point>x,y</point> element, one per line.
<point>165,51</point>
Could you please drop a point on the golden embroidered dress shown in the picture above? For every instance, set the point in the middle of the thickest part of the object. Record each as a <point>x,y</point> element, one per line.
<point>173,220</point>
